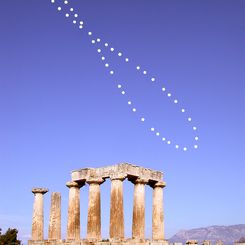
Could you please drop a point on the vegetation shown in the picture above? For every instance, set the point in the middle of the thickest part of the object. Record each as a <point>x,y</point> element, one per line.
<point>9,237</point>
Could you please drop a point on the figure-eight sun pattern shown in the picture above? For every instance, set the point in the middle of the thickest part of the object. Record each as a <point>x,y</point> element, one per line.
<point>69,13</point>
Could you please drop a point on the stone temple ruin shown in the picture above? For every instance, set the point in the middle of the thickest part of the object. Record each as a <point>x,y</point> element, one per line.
<point>94,177</point>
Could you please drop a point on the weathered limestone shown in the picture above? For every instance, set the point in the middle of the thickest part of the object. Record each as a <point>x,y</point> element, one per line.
<point>138,226</point>
<point>73,224</point>
<point>157,212</point>
<point>37,219</point>
<point>94,209</point>
<point>116,208</point>
<point>54,231</point>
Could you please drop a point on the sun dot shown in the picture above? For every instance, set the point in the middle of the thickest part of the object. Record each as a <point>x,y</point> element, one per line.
<point>153,79</point>
<point>67,15</point>
<point>182,110</point>
<point>99,50</point>
<point>59,8</point>
<point>134,110</point>
<point>194,128</point>
<point>93,41</point>
<point>52,1</point>
<point>111,72</point>
<point>152,129</point>
<point>75,15</point>
<point>142,119</point>
<point>112,49</point>
<point>74,21</point>
<point>65,2</point>
<point>163,89</point>
<point>90,33</point>
<point>189,119</point>
<point>169,142</point>
<point>163,139</point>
<point>196,138</point>
<point>106,65</point>
<point>71,9</point>
<point>185,148</point>
<point>157,134</point>
<point>127,59</point>
<point>195,146</point>
<point>169,94</point>
<point>119,85</point>
<point>98,40</point>
<point>120,54</point>
<point>80,27</point>
<point>103,58</point>
<point>123,92</point>
<point>106,44</point>
<point>144,72</point>
<point>175,101</point>
<point>129,102</point>
<point>138,67</point>
<point>177,146</point>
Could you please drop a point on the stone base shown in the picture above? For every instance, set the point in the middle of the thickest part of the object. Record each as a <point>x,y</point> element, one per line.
<point>102,242</point>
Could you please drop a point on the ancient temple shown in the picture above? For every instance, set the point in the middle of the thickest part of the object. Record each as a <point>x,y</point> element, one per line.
<point>94,177</point>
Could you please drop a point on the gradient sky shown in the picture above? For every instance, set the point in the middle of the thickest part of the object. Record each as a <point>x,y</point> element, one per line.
<point>60,109</point>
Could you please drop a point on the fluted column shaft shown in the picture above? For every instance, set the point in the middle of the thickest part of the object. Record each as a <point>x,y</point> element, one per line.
<point>54,231</point>
<point>37,219</point>
<point>138,229</point>
<point>94,210</point>
<point>73,224</point>
<point>157,212</point>
<point>116,208</point>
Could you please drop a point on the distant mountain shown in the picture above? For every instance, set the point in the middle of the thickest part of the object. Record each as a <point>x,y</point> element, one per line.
<point>227,234</point>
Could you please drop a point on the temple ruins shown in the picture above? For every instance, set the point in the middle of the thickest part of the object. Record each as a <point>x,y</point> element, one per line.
<point>94,177</point>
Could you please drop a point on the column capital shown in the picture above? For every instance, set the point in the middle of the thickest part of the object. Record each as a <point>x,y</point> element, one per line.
<point>140,181</point>
<point>70,184</point>
<point>39,190</point>
<point>95,181</point>
<point>118,176</point>
<point>161,184</point>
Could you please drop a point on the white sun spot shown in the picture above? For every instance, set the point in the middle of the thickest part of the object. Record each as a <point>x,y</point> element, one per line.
<point>99,50</point>
<point>52,1</point>
<point>189,119</point>
<point>177,146</point>
<point>123,92</point>
<point>194,128</point>
<point>98,40</point>
<point>144,72</point>
<point>169,94</point>
<point>74,21</point>
<point>59,8</point>
<point>168,142</point>
<point>175,101</point>
<point>157,134</point>
<point>65,2</point>
<point>134,109</point>
<point>90,33</point>
<point>127,59</point>
<point>163,89</point>
<point>129,102</point>
<point>75,15</point>
<point>138,67</point>
<point>106,65</point>
<point>119,85</point>
<point>71,9</point>
<point>106,44</point>
<point>119,54</point>
<point>81,22</point>
<point>111,72</point>
<point>153,79</point>
<point>112,49</point>
<point>80,27</point>
<point>103,58</point>
<point>163,139</point>
<point>196,138</point>
<point>195,146</point>
<point>185,148</point>
<point>182,110</point>
<point>152,129</point>
<point>93,41</point>
<point>142,119</point>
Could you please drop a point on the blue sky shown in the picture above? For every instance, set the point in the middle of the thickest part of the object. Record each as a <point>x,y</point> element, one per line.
<point>61,110</point>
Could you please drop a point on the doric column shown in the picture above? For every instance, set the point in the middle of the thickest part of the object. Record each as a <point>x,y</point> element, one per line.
<point>54,231</point>
<point>37,219</point>
<point>157,211</point>
<point>138,228</point>
<point>94,213</point>
<point>116,208</point>
<point>73,224</point>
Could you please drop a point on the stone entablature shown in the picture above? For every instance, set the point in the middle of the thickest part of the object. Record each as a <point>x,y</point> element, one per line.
<point>123,170</point>
<point>94,177</point>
